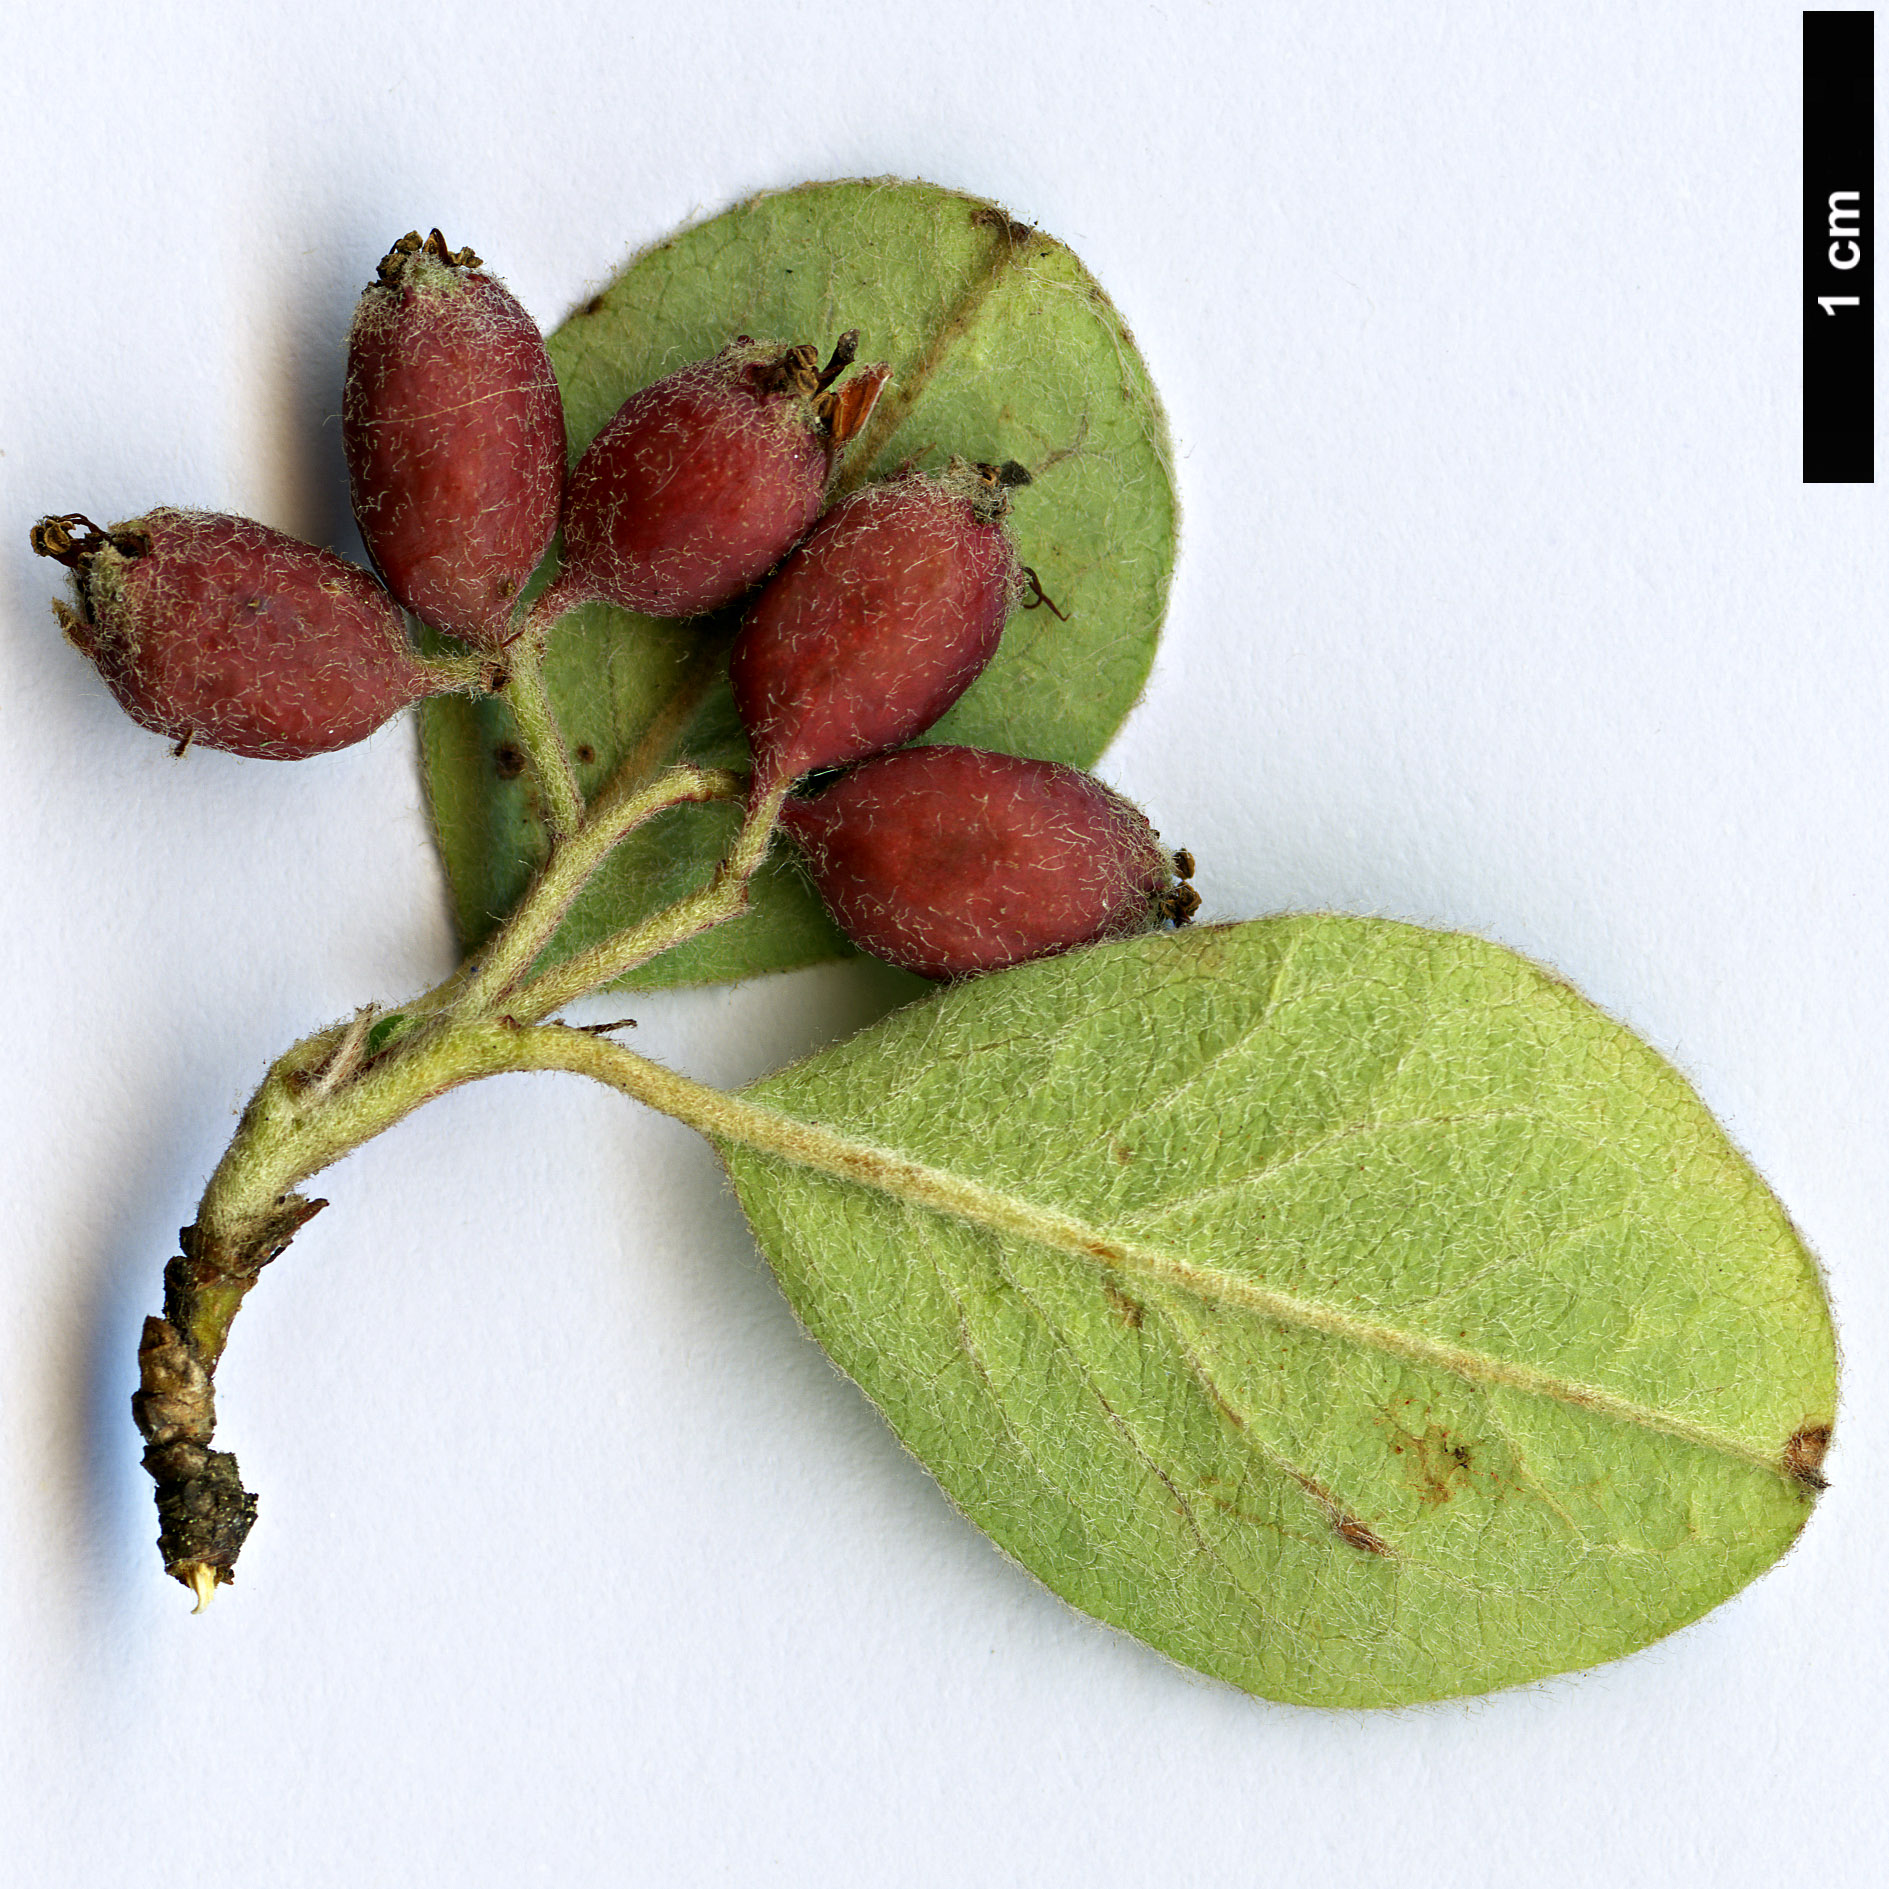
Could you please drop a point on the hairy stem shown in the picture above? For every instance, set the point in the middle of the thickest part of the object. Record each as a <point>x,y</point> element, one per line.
<point>541,737</point>
<point>469,674</point>
<point>563,594</point>
<point>344,1085</point>
<point>724,897</point>
<point>341,1087</point>
<point>617,813</point>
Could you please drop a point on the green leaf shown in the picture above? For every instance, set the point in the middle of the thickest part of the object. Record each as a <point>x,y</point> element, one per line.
<point>1002,346</point>
<point>1351,1311</point>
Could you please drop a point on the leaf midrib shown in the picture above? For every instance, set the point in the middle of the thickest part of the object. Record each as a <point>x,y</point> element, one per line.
<point>897,403</point>
<point>957,1196</point>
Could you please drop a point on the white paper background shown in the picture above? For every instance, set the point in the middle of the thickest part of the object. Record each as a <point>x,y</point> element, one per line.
<point>1500,606</point>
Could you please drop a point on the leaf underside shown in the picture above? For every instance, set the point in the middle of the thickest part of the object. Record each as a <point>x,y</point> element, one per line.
<point>1389,1324</point>
<point>1002,347</point>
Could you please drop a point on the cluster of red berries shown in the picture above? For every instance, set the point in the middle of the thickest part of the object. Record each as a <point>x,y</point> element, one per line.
<point>863,622</point>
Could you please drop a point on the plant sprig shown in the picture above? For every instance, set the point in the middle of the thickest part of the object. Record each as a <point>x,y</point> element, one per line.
<point>1349,1310</point>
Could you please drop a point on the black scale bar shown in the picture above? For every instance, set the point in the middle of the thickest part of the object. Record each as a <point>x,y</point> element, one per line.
<point>1839,248</point>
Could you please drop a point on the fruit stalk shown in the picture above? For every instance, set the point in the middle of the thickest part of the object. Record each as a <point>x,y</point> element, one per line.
<point>542,739</point>
<point>617,813</point>
<point>724,897</point>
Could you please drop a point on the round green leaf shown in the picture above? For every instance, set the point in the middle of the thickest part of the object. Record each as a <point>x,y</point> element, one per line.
<point>1002,346</point>
<point>1351,1311</point>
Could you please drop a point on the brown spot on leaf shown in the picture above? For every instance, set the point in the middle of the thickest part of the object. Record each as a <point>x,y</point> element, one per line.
<point>1434,1464</point>
<point>508,761</point>
<point>1126,1309</point>
<point>1345,1526</point>
<point>1354,1534</point>
<point>988,216</point>
<point>1804,1453</point>
<point>584,753</point>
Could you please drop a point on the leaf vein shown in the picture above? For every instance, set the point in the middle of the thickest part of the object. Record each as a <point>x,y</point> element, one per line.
<point>1208,1547</point>
<point>808,1144</point>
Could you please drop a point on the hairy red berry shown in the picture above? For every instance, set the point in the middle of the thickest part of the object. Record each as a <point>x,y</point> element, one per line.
<point>704,481</point>
<point>454,434</point>
<point>949,861</point>
<point>223,632</point>
<point>878,622</point>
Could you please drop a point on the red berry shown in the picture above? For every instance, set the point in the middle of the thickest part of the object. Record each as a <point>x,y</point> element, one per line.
<point>878,622</point>
<point>454,434</point>
<point>222,632</point>
<point>949,861</point>
<point>704,481</point>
